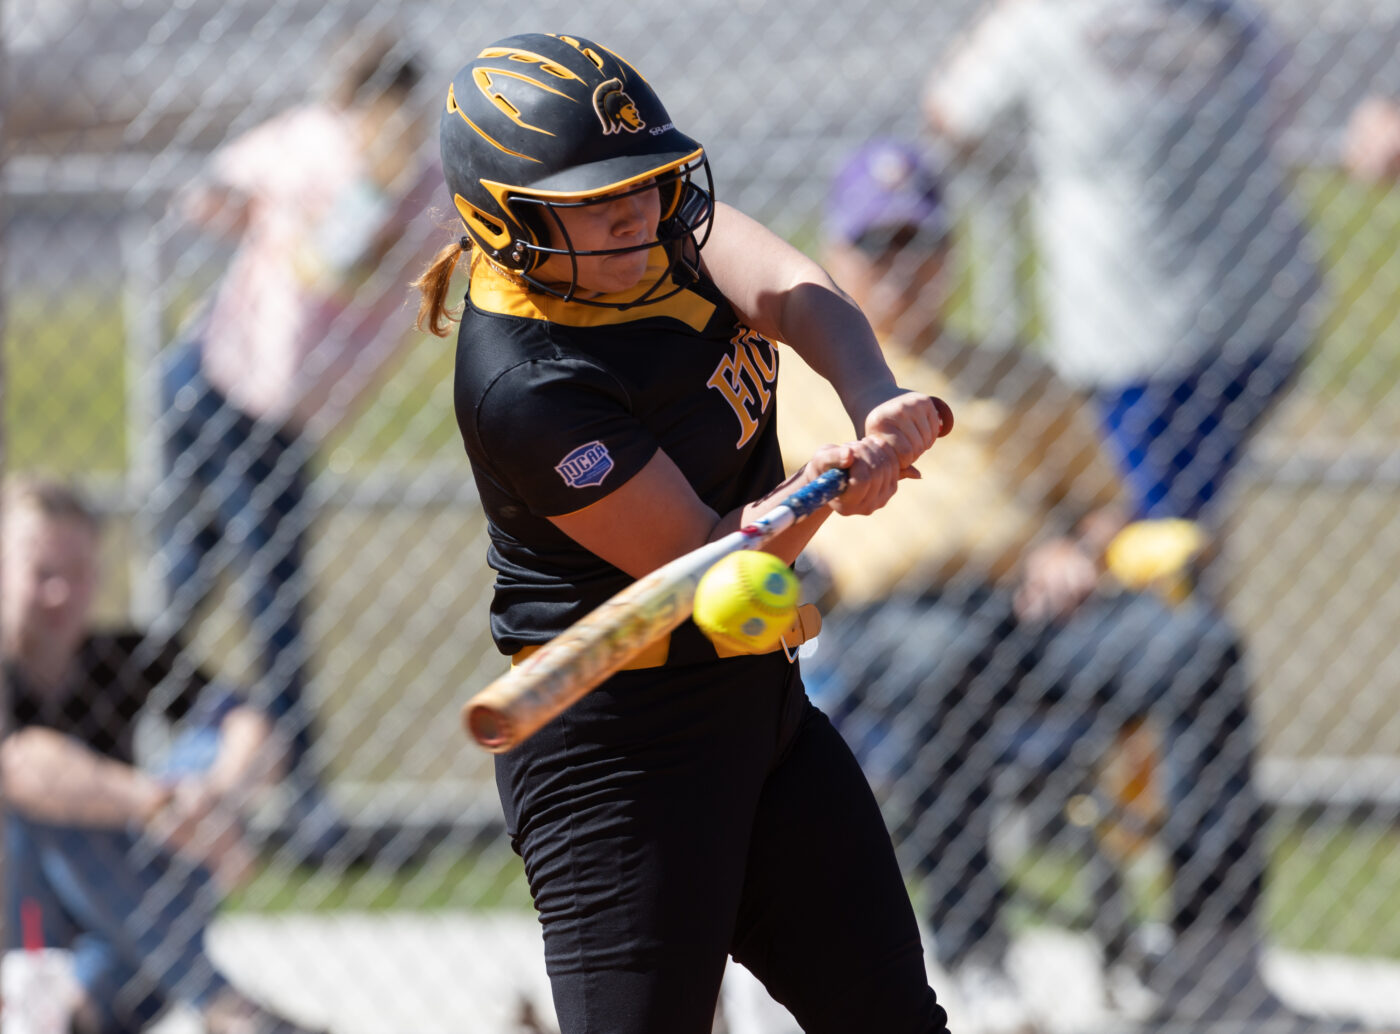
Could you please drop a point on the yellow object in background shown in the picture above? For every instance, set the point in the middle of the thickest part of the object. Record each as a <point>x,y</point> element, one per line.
<point>1132,779</point>
<point>1126,807</point>
<point>1160,555</point>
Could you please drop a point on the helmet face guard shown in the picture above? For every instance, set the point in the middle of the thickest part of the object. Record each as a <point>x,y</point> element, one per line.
<point>684,227</point>
<point>538,123</point>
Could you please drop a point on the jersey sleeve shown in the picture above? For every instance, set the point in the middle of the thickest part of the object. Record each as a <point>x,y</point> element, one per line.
<point>562,434</point>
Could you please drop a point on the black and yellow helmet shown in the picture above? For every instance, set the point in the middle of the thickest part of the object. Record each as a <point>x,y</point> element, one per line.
<point>537,122</point>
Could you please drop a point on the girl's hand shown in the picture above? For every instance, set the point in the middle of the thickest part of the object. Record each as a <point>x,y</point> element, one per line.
<point>909,423</point>
<point>874,473</point>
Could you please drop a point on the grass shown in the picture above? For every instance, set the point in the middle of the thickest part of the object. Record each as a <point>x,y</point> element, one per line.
<point>65,381</point>
<point>67,387</point>
<point>1331,888</point>
<point>485,880</point>
<point>1337,889</point>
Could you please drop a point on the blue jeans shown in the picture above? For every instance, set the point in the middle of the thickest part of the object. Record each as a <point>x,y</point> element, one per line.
<point>1177,439</point>
<point>944,697</point>
<point>134,918</point>
<point>232,500</point>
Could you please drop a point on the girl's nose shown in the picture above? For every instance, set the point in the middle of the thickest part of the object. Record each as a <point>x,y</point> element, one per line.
<point>630,211</point>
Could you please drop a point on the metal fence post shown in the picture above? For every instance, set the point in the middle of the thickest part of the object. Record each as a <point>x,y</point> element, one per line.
<point>142,308</point>
<point>4,394</point>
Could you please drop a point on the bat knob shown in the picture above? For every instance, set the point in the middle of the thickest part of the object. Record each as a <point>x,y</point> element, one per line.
<point>945,415</point>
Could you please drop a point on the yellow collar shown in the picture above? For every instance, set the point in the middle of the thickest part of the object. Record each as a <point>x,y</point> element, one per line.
<point>494,290</point>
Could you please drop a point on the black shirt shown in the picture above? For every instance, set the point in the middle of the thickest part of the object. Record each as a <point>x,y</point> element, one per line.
<point>559,404</point>
<point>116,675</point>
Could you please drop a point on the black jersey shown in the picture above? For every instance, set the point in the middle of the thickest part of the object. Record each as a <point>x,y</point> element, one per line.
<point>560,404</point>
<point>116,676</point>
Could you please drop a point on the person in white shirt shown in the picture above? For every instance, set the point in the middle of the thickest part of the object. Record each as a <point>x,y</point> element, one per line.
<point>1177,279</point>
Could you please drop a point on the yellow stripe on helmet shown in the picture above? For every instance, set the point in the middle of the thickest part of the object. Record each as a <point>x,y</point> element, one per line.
<point>456,109</point>
<point>530,57</point>
<point>485,78</point>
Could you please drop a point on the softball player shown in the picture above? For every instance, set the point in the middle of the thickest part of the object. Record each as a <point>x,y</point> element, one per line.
<point>614,389</point>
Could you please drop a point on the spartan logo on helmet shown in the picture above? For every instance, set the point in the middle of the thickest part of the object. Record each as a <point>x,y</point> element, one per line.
<point>615,109</point>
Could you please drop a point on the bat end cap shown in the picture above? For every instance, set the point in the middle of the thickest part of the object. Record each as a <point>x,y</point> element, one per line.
<point>489,727</point>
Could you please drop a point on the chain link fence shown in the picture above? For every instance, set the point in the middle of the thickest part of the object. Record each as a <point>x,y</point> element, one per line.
<point>385,895</point>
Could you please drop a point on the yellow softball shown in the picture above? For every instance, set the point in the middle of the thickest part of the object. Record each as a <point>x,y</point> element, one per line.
<point>746,601</point>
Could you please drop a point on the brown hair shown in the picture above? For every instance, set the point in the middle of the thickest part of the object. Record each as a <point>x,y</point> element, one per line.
<point>51,498</point>
<point>433,284</point>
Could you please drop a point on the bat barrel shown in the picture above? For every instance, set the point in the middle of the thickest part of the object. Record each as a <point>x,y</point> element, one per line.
<point>491,726</point>
<point>516,705</point>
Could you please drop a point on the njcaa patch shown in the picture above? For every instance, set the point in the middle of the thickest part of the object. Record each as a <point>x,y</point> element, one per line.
<point>585,466</point>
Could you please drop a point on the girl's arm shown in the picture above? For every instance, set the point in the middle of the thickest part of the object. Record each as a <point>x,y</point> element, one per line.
<point>786,296</point>
<point>656,516</point>
<point>53,778</point>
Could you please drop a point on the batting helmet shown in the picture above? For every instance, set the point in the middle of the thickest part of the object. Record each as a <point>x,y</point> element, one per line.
<point>537,122</point>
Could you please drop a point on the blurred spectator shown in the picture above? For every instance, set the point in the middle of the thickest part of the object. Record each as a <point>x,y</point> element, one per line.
<point>322,200</point>
<point>1372,148</point>
<point>1176,276</point>
<point>121,866</point>
<point>979,640</point>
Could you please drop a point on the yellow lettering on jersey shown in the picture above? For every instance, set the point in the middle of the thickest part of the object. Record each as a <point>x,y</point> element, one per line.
<point>727,382</point>
<point>747,362</point>
<point>763,354</point>
<point>744,379</point>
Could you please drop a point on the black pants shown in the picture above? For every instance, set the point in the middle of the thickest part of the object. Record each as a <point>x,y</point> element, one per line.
<point>673,817</point>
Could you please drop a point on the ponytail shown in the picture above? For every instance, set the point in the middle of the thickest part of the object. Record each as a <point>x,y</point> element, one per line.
<point>433,284</point>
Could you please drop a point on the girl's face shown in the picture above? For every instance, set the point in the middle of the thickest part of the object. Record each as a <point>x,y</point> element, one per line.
<point>624,220</point>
